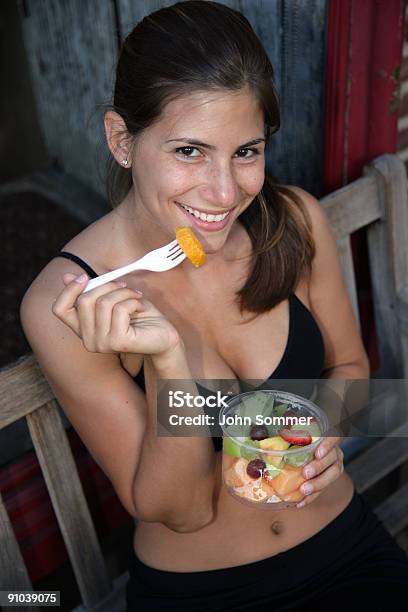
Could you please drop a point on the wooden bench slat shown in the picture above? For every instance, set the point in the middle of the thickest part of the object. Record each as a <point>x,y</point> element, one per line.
<point>25,383</point>
<point>346,260</point>
<point>352,207</point>
<point>379,460</point>
<point>115,601</point>
<point>394,179</point>
<point>394,511</point>
<point>65,489</point>
<point>402,314</point>
<point>402,309</point>
<point>387,255</point>
<point>13,573</point>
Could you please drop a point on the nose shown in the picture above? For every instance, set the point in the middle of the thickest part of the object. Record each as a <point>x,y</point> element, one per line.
<point>221,186</point>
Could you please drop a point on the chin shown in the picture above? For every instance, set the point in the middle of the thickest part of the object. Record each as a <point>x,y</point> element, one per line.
<point>213,246</point>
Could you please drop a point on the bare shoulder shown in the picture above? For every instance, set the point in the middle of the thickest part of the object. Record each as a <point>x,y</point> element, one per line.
<point>48,284</point>
<point>316,213</point>
<point>321,233</point>
<point>326,253</point>
<point>328,298</point>
<point>94,244</point>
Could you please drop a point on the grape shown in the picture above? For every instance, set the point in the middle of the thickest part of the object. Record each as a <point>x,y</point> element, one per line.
<point>258,432</point>
<point>256,468</point>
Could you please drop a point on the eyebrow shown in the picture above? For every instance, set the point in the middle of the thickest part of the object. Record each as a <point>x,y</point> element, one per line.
<point>198,143</point>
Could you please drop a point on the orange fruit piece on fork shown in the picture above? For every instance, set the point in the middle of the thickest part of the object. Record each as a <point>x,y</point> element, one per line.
<point>190,245</point>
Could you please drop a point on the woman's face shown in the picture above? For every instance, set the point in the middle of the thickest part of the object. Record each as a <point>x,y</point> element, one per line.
<point>200,165</point>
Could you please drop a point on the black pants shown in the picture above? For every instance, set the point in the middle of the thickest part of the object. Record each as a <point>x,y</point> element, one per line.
<point>352,564</point>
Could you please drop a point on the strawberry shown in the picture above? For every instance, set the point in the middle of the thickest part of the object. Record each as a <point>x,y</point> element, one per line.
<point>298,437</point>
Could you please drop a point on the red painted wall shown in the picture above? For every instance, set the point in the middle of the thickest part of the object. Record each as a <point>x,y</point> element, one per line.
<point>364,52</point>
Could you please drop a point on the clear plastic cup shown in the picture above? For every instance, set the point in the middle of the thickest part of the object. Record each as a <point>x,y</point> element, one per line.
<point>267,472</point>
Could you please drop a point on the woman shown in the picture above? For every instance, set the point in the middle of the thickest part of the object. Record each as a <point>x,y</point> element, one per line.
<point>194,107</point>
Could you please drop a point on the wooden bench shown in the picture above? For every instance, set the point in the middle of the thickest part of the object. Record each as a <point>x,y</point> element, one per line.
<point>376,202</point>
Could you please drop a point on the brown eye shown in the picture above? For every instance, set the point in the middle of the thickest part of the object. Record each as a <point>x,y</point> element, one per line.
<point>188,151</point>
<point>247,153</point>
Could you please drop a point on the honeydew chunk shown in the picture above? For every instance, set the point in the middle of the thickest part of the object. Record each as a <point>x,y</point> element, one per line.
<point>249,454</point>
<point>298,459</point>
<point>230,447</point>
<point>275,461</point>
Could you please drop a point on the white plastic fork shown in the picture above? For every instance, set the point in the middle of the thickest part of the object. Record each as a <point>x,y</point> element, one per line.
<point>159,260</point>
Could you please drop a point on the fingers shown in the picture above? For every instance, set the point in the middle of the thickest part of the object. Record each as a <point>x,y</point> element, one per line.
<point>321,482</point>
<point>326,471</point>
<point>119,300</point>
<point>326,446</point>
<point>317,466</point>
<point>120,322</point>
<point>95,315</point>
<point>308,500</point>
<point>64,305</point>
<point>68,277</point>
<point>89,315</point>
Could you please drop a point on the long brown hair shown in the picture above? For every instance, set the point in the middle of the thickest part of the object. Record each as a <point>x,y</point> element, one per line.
<point>200,45</point>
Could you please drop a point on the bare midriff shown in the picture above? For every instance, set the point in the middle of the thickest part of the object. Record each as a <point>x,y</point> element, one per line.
<point>238,533</point>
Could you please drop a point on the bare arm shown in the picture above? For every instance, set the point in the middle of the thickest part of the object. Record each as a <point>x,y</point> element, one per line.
<point>345,357</point>
<point>330,303</point>
<point>114,420</point>
<point>174,473</point>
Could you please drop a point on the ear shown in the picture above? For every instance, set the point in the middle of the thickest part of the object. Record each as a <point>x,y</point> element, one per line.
<point>118,138</point>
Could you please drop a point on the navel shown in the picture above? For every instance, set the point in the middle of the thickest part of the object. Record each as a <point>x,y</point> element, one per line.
<point>277,527</point>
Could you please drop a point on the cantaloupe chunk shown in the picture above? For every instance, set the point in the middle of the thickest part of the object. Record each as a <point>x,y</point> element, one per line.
<point>236,475</point>
<point>190,245</point>
<point>252,489</point>
<point>288,481</point>
<point>268,488</point>
<point>255,490</point>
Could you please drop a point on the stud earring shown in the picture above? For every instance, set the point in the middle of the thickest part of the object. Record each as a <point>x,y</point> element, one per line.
<point>125,162</point>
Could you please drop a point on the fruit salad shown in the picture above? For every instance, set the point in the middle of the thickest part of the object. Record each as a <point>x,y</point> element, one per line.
<point>281,432</point>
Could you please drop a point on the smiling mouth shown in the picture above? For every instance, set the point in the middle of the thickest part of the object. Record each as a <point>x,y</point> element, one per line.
<point>209,218</point>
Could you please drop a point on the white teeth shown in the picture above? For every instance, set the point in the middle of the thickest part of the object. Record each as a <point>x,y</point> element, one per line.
<point>204,216</point>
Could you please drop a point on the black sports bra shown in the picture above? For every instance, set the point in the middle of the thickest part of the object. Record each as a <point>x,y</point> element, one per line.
<point>303,357</point>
